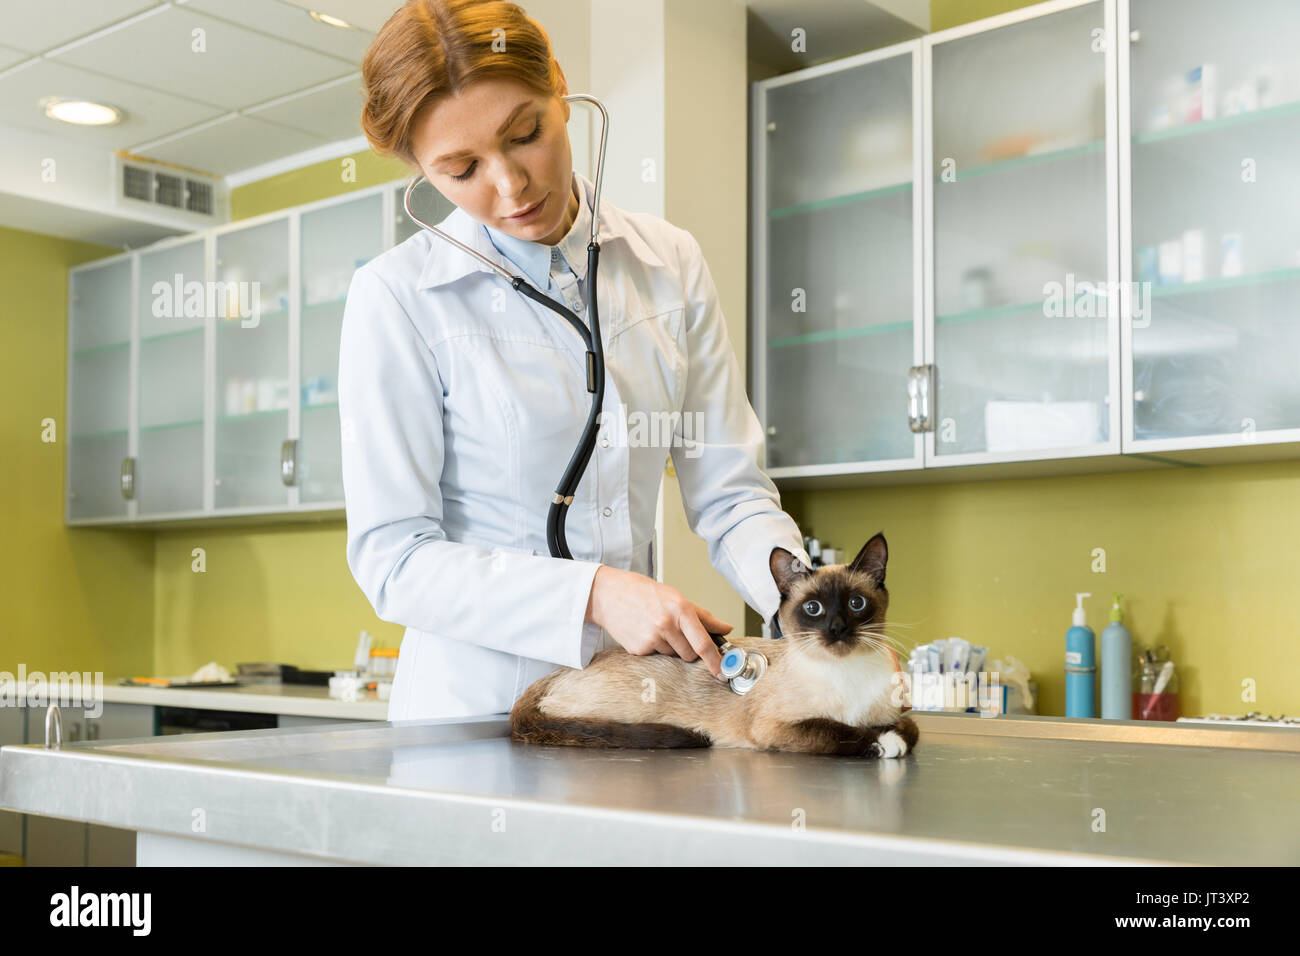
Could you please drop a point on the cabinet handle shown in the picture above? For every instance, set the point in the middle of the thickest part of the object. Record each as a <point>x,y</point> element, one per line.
<point>920,385</point>
<point>1135,36</point>
<point>128,478</point>
<point>289,461</point>
<point>54,723</point>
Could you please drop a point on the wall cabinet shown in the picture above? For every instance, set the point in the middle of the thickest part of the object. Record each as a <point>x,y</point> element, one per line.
<point>1210,169</point>
<point>202,370</point>
<point>1068,232</point>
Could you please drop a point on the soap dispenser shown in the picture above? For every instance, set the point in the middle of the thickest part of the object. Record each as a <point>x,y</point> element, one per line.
<point>1116,667</point>
<point>1080,664</point>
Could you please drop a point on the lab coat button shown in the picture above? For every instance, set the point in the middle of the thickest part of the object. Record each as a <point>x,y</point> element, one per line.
<point>607,512</point>
<point>604,443</point>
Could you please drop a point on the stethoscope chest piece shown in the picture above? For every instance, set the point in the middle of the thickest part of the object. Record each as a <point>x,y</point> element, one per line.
<point>741,668</point>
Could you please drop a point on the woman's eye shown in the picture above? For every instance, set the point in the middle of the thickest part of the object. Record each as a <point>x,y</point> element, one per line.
<point>812,608</point>
<point>857,602</point>
<point>537,131</point>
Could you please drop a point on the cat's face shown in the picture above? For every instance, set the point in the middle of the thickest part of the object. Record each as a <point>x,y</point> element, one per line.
<point>837,609</point>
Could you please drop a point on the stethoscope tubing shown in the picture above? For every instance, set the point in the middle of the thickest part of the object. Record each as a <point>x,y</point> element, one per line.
<point>591,339</point>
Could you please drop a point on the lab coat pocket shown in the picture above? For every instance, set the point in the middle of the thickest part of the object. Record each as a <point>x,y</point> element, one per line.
<point>653,347</point>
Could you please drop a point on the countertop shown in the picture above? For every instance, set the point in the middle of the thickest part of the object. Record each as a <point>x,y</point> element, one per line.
<point>1004,790</point>
<point>301,700</point>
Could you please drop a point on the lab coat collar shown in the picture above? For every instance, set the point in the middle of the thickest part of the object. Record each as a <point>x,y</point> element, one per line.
<point>446,263</point>
<point>535,257</point>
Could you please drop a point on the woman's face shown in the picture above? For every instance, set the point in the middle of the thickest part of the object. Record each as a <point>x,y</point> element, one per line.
<point>499,149</point>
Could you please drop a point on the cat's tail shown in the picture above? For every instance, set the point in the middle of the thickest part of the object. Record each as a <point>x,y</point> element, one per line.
<point>529,725</point>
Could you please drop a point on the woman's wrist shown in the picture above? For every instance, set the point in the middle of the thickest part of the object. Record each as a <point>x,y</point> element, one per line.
<point>593,602</point>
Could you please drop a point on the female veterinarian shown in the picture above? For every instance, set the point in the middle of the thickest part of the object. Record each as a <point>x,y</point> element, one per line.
<point>462,399</point>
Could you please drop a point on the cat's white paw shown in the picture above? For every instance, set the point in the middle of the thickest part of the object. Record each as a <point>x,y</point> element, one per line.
<point>889,744</point>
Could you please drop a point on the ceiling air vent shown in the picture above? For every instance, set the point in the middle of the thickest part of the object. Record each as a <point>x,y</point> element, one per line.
<point>190,197</point>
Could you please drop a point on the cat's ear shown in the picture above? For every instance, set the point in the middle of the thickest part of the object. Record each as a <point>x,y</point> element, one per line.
<point>786,568</point>
<point>872,559</point>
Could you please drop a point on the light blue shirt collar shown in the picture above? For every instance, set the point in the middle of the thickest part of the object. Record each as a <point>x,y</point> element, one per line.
<point>534,258</point>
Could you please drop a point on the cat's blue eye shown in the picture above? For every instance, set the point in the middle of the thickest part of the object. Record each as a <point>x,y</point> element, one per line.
<point>857,603</point>
<point>812,608</point>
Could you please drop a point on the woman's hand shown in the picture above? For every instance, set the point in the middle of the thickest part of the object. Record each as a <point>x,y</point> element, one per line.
<point>648,617</point>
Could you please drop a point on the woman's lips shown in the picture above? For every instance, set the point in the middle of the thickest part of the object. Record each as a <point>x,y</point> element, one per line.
<point>526,216</point>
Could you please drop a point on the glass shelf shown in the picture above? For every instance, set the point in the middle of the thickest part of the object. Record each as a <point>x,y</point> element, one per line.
<point>1230,282</point>
<point>833,335</point>
<point>1099,310</point>
<point>1205,127</point>
<point>237,321</point>
<point>98,349</point>
<point>92,436</point>
<point>1023,162</point>
<point>247,416</point>
<point>164,426</point>
<point>834,201</point>
<point>170,335</point>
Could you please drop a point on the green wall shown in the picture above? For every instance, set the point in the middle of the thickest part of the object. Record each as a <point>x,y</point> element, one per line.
<point>73,599</point>
<point>952,13</point>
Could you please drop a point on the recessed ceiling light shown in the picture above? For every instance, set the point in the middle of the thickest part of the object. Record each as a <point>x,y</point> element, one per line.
<point>81,112</point>
<point>328,20</point>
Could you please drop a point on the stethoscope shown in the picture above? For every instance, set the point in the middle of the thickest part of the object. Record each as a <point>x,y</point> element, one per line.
<point>573,473</point>
<point>741,668</point>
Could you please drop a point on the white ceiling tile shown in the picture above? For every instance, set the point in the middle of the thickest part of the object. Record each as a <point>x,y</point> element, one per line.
<point>237,67</point>
<point>332,113</point>
<point>367,14</point>
<point>146,114</point>
<point>290,23</point>
<point>9,57</point>
<point>39,25</point>
<point>230,145</point>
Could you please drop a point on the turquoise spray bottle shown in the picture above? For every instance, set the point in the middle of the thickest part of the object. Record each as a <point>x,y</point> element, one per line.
<point>1080,665</point>
<point>1116,667</point>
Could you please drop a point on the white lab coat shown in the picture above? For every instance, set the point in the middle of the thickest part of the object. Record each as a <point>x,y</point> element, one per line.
<point>460,403</point>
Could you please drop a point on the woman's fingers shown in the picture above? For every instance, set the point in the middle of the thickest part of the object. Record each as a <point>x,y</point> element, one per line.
<point>680,644</point>
<point>713,624</point>
<point>700,640</point>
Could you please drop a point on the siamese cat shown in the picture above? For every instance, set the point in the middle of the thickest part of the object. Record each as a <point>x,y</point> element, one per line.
<point>830,685</point>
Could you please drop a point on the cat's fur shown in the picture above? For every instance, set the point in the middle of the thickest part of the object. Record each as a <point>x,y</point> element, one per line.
<point>829,687</point>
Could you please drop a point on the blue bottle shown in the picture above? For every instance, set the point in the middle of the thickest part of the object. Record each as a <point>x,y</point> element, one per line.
<point>1116,667</point>
<point>1080,665</point>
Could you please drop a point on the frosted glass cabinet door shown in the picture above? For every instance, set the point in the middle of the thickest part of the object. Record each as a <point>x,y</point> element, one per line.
<point>1024,337</point>
<point>252,366</point>
<point>172,307</point>
<point>99,389</point>
<point>1214,155</point>
<point>336,241</point>
<point>836,258</point>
